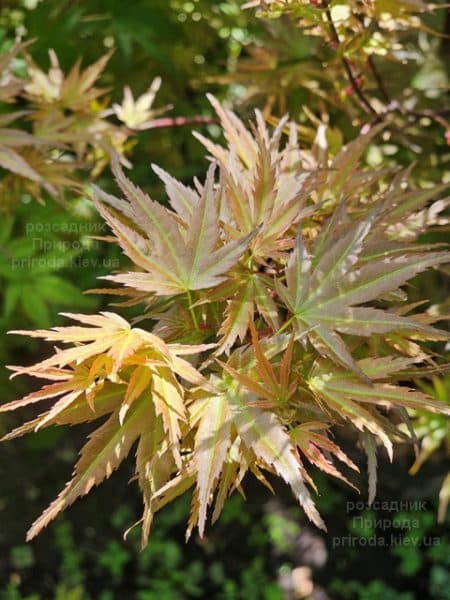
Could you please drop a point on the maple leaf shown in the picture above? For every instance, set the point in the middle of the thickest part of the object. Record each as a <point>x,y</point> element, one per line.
<point>108,333</point>
<point>323,292</point>
<point>245,294</point>
<point>273,390</point>
<point>263,434</point>
<point>122,371</point>
<point>221,459</point>
<point>176,259</point>
<point>318,448</point>
<point>106,449</point>
<point>264,189</point>
<point>74,91</point>
<point>212,441</point>
<point>138,114</point>
<point>349,398</point>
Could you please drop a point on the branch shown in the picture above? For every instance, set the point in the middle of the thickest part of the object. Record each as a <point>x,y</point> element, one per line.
<point>396,107</point>
<point>375,72</point>
<point>380,83</point>
<point>356,88</point>
<point>180,121</point>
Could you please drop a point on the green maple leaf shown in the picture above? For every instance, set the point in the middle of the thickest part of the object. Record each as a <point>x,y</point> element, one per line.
<point>176,255</point>
<point>324,291</point>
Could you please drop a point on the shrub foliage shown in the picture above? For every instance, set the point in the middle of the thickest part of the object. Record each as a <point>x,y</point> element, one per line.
<point>275,292</point>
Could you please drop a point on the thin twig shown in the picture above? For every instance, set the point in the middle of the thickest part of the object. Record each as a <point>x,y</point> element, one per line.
<point>380,83</point>
<point>434,116</point>
<point>375,72</point>
<point>355,86</point>
<point>396,107</point>
<point>180,121</point>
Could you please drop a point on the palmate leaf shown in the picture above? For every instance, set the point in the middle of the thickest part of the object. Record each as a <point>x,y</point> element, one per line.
<point>273,387</point>
<point>113,339</point>
<point>106,401</point>
<point>318,448</point>
<point>138,114</point>
<point>351,399</point>
<point>262,433</point>
<point>212,441</point>
<point>177,257</point>
<point>106,449</point>
<point>127,373</point>
<point>245,293</point>
<point>108,333</point>
<point>76,90</point>
<point>263,187</point>
<point>324,294</point>
<point>261,441</point>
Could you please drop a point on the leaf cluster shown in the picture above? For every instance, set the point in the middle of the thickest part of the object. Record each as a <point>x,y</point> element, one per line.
<point>63,125</point>
<point>278,308</point>
<point>350,63</point>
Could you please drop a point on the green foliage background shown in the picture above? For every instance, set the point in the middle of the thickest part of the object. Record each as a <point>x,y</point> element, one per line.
<point>193,46</point>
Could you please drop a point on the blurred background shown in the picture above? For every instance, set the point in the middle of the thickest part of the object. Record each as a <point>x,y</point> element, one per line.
<point>261,548</point>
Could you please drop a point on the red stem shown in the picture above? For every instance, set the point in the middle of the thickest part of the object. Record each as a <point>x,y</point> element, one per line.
<point>181,121</point>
